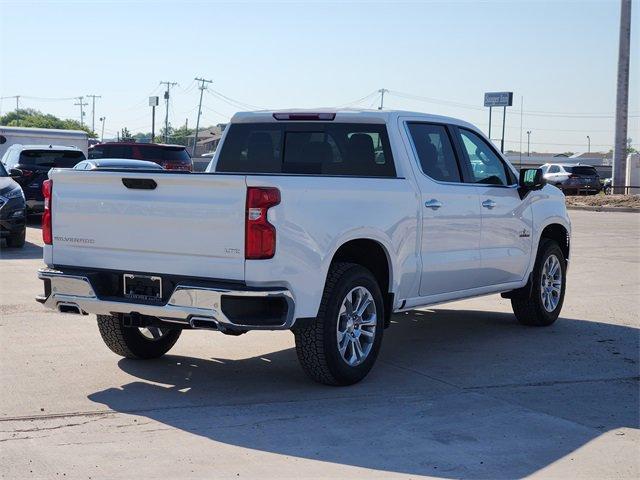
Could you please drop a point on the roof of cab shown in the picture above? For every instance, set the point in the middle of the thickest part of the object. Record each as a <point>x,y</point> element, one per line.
<point>348,115</point>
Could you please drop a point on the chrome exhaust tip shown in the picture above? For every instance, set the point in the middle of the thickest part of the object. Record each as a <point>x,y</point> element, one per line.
<point>203,323</point>
<point>69,308</point>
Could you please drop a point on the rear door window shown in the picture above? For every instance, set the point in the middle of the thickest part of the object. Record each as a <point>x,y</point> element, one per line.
<point>435,152</point>
<point>51,158</point>
<point>340,149</point>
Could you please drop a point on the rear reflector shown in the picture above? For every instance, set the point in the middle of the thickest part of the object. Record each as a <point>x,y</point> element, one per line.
<point>304,116</point>
<point>260,235</point>
<point>47,234</point>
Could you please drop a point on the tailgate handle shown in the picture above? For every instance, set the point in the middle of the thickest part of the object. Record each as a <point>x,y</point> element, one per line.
<point>140,183</point>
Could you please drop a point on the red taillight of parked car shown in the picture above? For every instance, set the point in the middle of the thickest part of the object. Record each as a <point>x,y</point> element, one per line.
<point>178,166</point>
<point>260,235</point>
<point>47,190</point>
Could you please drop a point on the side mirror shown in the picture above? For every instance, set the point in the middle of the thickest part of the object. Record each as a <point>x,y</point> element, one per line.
<point>15,173</point>
<point>530,179</point>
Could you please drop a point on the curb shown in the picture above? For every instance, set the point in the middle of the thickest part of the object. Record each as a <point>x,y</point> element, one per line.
<point>604,209</point>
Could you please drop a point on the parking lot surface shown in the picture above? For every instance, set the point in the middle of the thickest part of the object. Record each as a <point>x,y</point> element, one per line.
<point>459,390</point>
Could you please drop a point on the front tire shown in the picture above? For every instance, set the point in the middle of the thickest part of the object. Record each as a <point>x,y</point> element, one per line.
<point>540,305</point>
<point>133,342</point>
<point>340,345</point>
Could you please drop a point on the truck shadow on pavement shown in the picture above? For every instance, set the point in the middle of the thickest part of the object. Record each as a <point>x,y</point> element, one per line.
<point>454,394</point>
<point>29,251</point>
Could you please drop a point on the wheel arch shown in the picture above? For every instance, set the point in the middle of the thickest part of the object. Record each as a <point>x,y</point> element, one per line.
<point>560,234</point>
<point>374,256</point>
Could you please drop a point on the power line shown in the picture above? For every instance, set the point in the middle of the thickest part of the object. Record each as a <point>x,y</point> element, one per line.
<point>355,102</point>
<point>232,102</point>
<point>539,113</point>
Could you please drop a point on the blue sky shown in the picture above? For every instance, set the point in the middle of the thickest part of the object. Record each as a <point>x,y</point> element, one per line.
<point>560,57</point>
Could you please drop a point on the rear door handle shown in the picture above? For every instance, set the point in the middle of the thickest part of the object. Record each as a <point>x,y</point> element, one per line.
<point>433,204</point>
<point>489,204</point>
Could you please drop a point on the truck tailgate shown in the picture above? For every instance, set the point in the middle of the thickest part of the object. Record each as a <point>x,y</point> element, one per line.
<point>190,225</point>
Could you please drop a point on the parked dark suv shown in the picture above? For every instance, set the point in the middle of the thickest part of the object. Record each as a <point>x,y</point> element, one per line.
<point>572,178</point>
<point>170,157</point>
<point>34,163</point>
<point>12,210</point>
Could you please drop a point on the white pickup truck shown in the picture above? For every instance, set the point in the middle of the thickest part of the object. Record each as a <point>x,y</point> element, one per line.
<point>323,223</point>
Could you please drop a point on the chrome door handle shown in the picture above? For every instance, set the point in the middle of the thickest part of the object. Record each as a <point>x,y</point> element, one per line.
<point>433,204</point>
<point>489,204</point>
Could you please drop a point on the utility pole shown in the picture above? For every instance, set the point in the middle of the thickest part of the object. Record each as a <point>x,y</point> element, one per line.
<point>622,99</point>
<point>528,142</point>
<point>82,105</point>
<point>102,119</point>
<point>588,144</point>
<point>166,116</point>
<point>202,88</point>
<point>17,102</point>
<point>93,111</point>
<point>382,91</point>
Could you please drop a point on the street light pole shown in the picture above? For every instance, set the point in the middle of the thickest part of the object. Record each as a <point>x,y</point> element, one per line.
<point>102,119</point>
<point>588,144</point>
<point>528,142</point>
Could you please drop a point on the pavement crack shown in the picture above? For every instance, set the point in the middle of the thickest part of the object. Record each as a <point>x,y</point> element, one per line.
<point>551,383</point>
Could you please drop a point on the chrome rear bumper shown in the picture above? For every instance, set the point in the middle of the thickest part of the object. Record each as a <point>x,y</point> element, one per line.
<point>66,292</point>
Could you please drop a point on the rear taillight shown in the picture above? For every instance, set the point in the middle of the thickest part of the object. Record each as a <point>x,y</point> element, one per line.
<point>260,235</point>
<point>47,234</point>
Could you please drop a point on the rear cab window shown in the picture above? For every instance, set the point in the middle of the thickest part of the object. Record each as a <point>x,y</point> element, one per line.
<point>307,148</point>
<point>51,158</point>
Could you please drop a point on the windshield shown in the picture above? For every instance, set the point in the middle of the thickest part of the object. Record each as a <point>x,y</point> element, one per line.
<point>3,172</point>
<point>51,158</point>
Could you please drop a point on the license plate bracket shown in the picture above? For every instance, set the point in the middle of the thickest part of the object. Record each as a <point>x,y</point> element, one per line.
<point>142,287</point>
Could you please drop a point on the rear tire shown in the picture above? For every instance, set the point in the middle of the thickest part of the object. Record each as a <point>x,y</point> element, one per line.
<point>130,342</point>
<point>340,345</point>
<point>17,240</point>
<point>540,305</point>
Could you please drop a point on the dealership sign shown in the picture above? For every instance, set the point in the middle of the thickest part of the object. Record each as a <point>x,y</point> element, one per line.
<point>498,99</point>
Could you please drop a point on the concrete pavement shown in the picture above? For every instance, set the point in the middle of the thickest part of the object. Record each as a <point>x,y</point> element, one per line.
<point>460,390</point>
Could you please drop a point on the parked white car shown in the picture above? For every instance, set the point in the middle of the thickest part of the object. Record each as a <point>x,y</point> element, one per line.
<point>323,223</point>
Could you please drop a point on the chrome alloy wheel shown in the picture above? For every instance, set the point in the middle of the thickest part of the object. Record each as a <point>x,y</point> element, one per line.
<point>153,333</point>
<point>356,328</point>
<point>551,283</point>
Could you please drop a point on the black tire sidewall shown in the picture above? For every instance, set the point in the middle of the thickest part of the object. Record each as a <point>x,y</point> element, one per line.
<point>345,374</point>
<point>548,248</point>
<point>143,347</point>
<point>17,240</point>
